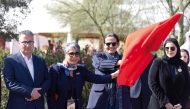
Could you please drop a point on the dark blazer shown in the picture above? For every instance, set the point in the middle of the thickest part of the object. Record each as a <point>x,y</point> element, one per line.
<point>20,83</point>
<point>60,84</point>
<point>99,95</point>
<point>140,92</point>
<point>141,85</point>
<point>162,87</point>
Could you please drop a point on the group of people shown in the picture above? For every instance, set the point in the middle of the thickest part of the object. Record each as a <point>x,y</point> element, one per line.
<point>164,84</point>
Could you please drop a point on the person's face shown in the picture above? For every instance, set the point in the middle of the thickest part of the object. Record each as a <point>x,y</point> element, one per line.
<point>111,45</point>
<point>26,44</point>
<point>184,56</point>
<point>170,49</point>
<point>72,57</point>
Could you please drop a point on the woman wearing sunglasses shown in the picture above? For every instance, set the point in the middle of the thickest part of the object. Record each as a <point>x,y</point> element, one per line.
<point>108,96</point>
<point>169,79</point>
<point>67,82</point>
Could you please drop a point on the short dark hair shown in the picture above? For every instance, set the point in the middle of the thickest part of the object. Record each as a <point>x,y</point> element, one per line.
<point>49,41</point>
<point>26,32</point>
<point>112,35</point>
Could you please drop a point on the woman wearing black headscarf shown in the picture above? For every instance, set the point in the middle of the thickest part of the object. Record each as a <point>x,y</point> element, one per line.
<point>169,79</point>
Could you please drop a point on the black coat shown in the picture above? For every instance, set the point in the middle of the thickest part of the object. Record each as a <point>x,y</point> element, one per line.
<point>163,89</point>
<point>60,85</point>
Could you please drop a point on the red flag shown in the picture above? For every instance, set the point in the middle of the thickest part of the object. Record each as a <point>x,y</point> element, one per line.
<point>138,47</point>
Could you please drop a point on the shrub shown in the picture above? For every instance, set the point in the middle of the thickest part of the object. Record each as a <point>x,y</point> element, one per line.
<point>4,92</point>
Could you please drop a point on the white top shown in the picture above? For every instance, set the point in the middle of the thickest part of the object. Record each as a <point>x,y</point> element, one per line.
<point>186,45</point>
<point>29,64</point>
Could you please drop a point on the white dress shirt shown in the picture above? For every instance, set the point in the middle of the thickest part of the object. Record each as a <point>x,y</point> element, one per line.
<point>29,64</point>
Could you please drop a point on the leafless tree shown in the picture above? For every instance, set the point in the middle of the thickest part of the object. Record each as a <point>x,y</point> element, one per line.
<point>98,16</point>
<point>173,6</point>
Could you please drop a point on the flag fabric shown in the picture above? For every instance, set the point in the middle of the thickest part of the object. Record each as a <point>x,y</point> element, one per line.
<point>140,47</point>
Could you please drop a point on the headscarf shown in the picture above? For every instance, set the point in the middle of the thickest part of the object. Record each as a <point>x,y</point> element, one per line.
<point>176,58</point>
<point>186,45</point>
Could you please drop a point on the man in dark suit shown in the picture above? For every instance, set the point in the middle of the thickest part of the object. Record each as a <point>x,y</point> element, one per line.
<point>26,76</point>
<point>140,92</point>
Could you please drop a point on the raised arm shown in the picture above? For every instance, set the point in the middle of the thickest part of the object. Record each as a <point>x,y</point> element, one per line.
<point>101,62</point>
<point>92,77</point>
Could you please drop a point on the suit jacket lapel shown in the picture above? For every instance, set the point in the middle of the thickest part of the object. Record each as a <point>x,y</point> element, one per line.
<point>23,63</point>
<point>36,66</point>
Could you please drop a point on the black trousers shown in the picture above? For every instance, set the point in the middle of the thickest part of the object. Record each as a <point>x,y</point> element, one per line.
<point>140,103</point>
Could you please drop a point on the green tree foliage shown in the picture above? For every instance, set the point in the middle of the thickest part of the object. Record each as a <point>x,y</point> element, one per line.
<point>12,12</point>
<point>4,92</point>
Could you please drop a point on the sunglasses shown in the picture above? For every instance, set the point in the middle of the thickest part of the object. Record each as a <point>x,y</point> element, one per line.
<point>111,43</point>
<point>171,48</point>
<point>71,54</point>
